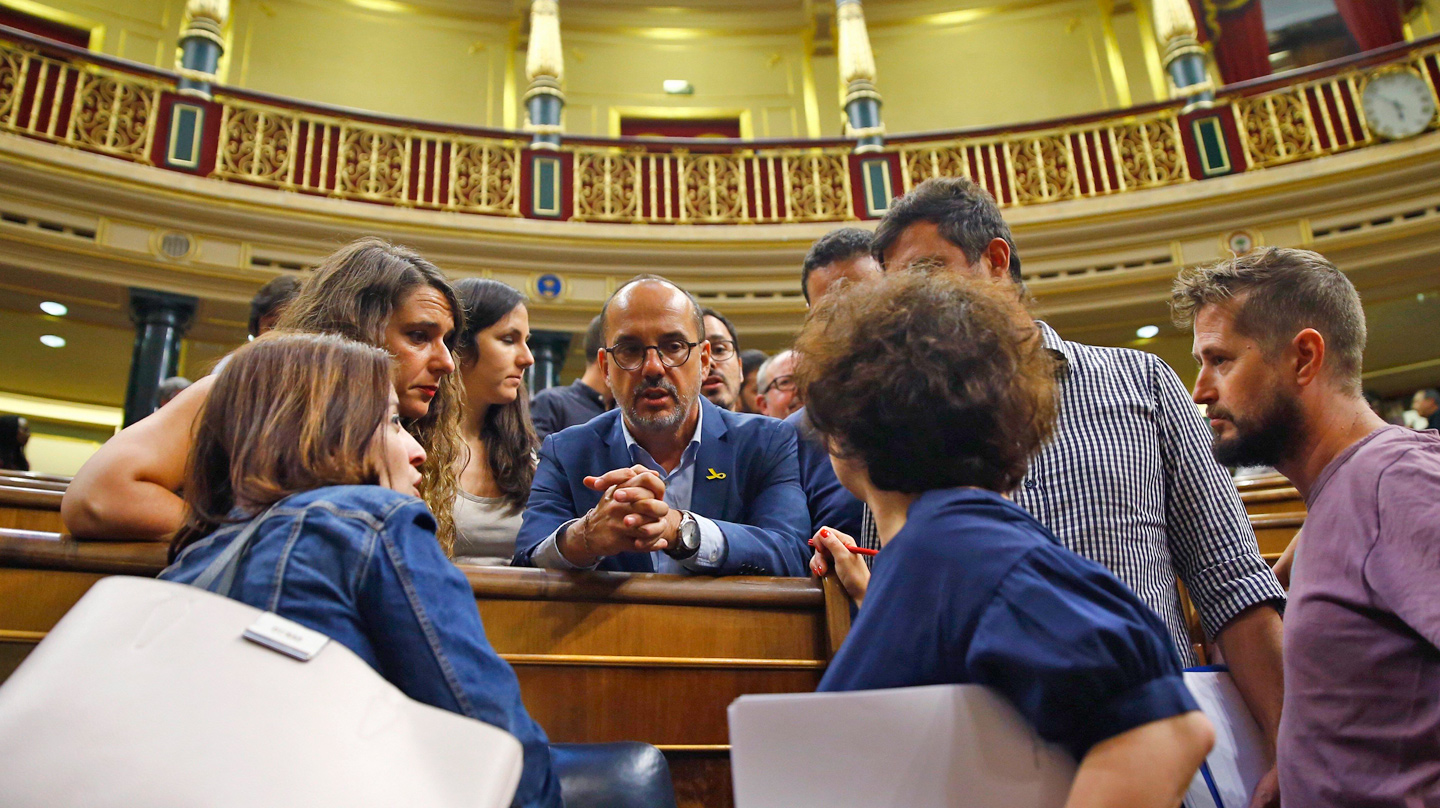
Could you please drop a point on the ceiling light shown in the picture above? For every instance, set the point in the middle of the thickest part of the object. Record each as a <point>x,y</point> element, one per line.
<point>678,87</point>
<point>52,341</point>
<point>1147,331</point>
<point>53,308</point>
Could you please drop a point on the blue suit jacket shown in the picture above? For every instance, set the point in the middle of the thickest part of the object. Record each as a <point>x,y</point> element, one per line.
<point>831,504</point>
<point>758,503</point>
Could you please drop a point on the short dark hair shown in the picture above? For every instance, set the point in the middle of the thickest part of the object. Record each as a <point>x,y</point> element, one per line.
<point>751,360</point>
<point>932,380</point>
<point>1285,291</point>
<point>273,295</point>
<point>694,304</point>
<point>1432,394</point>
<point>837,245</point>
<point>729,326</point>
<point>594,339</point>
<point>965,214</point>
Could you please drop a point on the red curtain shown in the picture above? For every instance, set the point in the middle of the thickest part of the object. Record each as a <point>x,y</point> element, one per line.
<point>1373,23</point>
<point>1236,31</point>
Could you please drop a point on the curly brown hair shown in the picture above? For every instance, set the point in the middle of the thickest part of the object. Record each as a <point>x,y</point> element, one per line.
<point>932,380</point>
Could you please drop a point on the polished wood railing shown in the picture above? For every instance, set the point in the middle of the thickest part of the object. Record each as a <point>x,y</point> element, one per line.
<point>74,98</point>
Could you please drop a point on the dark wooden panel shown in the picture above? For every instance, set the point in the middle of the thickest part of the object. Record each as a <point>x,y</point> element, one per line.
<point>570,627</point>
<point>662,706</point>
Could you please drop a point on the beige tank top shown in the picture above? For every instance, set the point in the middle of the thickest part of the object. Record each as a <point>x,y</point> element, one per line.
<point>485,530</point>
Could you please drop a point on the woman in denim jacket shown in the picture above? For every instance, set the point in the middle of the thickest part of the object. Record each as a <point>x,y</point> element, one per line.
<point>301,438</point>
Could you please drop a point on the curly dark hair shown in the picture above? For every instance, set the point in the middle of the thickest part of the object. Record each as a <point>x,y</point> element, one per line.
<point>932,380</point>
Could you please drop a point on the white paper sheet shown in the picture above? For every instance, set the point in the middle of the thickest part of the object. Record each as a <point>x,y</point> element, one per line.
<point>1237,762</point>
<point>947,746</point>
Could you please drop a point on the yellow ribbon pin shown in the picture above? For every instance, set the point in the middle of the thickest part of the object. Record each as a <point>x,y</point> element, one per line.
<point>716,475</point>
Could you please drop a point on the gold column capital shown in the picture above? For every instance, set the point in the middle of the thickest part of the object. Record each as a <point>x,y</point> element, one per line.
<point>857,61</point>
<point>1172,19</point>
<point>544,58</point>
<point>206,19</point>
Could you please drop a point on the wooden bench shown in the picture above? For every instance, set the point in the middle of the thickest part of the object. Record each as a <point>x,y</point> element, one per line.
<point>600,656</point>
<point>30,508</point>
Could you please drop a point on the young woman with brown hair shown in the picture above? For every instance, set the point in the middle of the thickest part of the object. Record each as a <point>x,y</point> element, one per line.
<point>300,499</point>
<point>500,441</point>
<point>370,291</point>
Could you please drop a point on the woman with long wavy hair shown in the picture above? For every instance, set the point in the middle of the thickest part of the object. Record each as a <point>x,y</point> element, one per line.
<point>300,499</point>
<point>500,441</point>
<point>377,293</point>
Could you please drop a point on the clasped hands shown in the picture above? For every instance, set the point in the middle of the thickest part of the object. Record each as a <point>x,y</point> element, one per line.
<point>631,517</point>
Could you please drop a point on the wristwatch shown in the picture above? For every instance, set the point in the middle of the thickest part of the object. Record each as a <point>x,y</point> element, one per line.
<point>687,538</point>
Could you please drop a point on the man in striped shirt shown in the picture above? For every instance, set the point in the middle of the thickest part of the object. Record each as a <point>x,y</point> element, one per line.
<point>1129,480</point>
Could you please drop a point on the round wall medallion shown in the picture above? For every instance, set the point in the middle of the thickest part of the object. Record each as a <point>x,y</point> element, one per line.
<point>175,245</point>
<point>1241,242</point>
<point>549,286</point>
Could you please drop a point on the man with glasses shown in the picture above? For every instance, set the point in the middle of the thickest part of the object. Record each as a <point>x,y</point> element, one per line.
<point>722,383</point>
<point>776,382</point>
<point>667,481</point>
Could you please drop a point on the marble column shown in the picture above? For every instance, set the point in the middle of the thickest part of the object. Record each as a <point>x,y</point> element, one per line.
<point>545,70</point>
<point>857,76</point>
<point>161,320</point>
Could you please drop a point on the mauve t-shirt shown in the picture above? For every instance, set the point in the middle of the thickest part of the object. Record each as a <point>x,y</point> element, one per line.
<point>1361,724</point>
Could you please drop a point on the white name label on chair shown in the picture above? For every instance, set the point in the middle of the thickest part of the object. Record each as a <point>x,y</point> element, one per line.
<point>286,636</point>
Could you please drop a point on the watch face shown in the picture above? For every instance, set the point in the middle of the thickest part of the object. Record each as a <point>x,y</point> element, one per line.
<point>1398,104</point>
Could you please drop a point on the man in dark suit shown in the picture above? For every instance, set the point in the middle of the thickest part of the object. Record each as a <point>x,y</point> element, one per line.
<point>666,482</point>
<point>839,258</point>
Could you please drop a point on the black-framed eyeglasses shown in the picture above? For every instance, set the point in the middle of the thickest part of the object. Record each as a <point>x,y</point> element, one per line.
<point>631,355</point>
<point>721,349</point>
<point>785,384</point>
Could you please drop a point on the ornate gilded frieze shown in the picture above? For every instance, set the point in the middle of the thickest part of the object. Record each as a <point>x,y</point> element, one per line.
<point>372,163</point>
<point>679,187</point>
<point>1053,165</point>
<point>109,112</point>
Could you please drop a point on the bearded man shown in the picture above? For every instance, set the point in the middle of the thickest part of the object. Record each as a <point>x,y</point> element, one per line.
<point>667,481</point>
<point>1279,336</point>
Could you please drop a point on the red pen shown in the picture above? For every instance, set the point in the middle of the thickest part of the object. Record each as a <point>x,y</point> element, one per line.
<point>865,551</point>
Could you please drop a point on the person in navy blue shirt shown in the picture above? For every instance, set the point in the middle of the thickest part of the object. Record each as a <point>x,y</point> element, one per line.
<point>933,392</point>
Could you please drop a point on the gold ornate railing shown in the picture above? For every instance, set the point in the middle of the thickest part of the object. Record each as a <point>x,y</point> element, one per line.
<point>1316,118</point>
<point>81,106</point>
<point>1051,165</point>
<point>87,101</point>
<point>349,159</point>
<point>678,187</point>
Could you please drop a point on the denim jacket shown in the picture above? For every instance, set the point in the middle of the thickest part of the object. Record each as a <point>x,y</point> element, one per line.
<point>361,565</point>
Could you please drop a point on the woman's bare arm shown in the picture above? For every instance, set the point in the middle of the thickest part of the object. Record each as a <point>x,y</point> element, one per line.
<point>127,489</point>
<point>1150,766</point>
